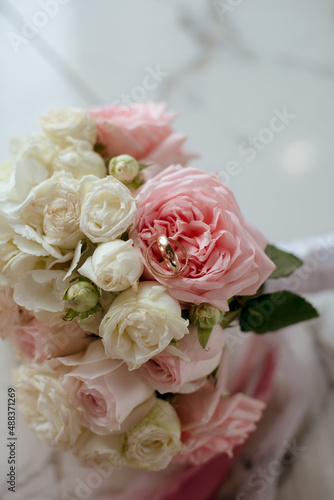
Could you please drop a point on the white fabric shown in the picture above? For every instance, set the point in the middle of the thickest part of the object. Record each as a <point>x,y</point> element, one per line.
<point>317,272</point>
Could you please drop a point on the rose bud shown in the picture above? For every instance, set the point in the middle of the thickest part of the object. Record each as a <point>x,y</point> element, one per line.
<point>205,316</point>
<point>124,167</point>
<point>82,296</point>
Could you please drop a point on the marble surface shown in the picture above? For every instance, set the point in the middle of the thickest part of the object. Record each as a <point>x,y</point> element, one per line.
<point>228,67</point>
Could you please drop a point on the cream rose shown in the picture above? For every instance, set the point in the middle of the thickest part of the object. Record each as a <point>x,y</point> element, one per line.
<point>49,216</point>
<point>141,324</point>
<point>34,146</point>
<point>114,266</point>
<point>45,406</point>
<point>62,124</point>
<point>153,443</point>
<point>107,209</point>
<point>93,450</point>
<point>79,159</point>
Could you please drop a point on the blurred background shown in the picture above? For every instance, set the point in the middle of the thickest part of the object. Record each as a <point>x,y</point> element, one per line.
<point>251,80</point>
<point>228,67</point>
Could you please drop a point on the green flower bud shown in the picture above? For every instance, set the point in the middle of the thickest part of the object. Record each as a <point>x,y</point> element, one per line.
<point>205,315</point>
<point>82,296</point>
<point>124,167</point>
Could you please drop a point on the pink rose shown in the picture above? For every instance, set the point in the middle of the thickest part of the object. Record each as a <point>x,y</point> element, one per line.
<point>143,131</point>
<point>103,390</point>
<point>213,424</point>
<point>37,342</point>
<point>168,373</point>
<point>9,313</point>
<point>226,253</point>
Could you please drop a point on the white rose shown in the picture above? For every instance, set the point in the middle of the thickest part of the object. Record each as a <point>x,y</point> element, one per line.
<point>64,123</point>
<point>139,325</point>
<point>153,443</point>
<point>33,158</point>
<point>49,217</point>
<point>45,406</point>
<point>114,266</point>
<point>79,159</point>
<point>107,209</point>
<point>34,146</point>
<point>93,450</point>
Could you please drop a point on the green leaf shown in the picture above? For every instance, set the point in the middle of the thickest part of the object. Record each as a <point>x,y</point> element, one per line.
<point>273,311</point>
<point>229,317</point>
<point>286,263</point>
<point>70,314</point>
<point>83,278</point>
<point>204,335</point>
<point>142,167</point>
<point>84,316</point>
<point>214,373</point>
<point>137,182</point>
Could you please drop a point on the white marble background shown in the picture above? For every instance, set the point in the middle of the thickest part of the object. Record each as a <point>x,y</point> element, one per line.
<point>228,67</point>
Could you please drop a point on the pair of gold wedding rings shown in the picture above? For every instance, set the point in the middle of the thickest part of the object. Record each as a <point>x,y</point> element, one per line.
<point>169,255</point>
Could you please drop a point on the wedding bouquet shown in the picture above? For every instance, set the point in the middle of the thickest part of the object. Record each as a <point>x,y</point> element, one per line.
<point>122,273</point>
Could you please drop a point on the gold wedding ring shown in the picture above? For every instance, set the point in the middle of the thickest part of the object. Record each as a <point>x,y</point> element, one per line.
<point>169,256</point>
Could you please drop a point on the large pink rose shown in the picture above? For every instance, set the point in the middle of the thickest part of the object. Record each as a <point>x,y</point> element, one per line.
<point>213,424</point>
<point>226,253</point>
<point>169,373</point>
<point>37,342</point>
<point>103,390</point>
<point>141,130</point>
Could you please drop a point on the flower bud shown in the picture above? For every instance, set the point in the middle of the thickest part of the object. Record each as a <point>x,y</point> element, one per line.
<point>205,316</point>
<point>82,296</point>
<point>124,167</point>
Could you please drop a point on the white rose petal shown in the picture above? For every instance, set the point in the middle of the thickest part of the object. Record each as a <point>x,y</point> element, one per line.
<point>45,406</point>
<point>104,391</point>
<point>79,159</point>
<point>153,443</point>
<point>114,266</point>
<point>41,290</point>
<point>139,325</point>
<point>107,209</point>
<point>33,157</point>
<point>60,125</point>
